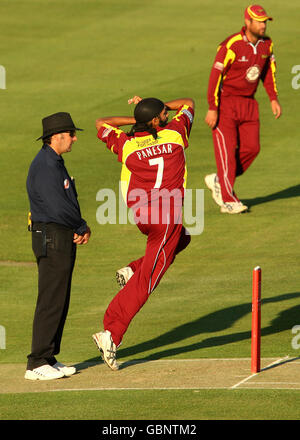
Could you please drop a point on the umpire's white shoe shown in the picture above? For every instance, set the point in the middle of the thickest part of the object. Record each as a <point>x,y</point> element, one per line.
<point>68,371</point>
<point>233,208</point>
<point>45,372</point>
<point>107,348</point>
<point>123,275</point>
<point>211,181</point>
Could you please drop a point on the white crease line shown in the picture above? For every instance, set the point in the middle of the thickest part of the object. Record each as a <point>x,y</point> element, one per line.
<point>134,389</point>
<point>275,362</point>
<point>255,374</point>
<point>243,381</point>
<point>168,360</point>
<point>278,383</point>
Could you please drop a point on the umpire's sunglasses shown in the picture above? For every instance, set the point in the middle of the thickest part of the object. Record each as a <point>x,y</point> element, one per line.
<point>72,133</point>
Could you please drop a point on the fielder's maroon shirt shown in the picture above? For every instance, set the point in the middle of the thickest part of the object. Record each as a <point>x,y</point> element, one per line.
<point>238,67</point>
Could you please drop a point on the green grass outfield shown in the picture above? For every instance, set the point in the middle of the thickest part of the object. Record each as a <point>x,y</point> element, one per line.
<point>88,57</point>
<point>145,405</point>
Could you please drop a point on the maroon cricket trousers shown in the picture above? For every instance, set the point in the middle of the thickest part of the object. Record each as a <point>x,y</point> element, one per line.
<point>165,238</point>
<point>236,141</point>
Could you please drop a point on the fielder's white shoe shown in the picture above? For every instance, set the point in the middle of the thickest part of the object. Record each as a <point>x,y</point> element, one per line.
<point>107,348</point>
<point>68,371</point>
<point>45,372</point>
<point>211,181</point>
<point>123,275</point>
<point>233,208</point>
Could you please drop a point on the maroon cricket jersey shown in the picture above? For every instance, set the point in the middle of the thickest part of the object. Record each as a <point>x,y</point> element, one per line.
<point>151,164</point>
<point>238,67</point>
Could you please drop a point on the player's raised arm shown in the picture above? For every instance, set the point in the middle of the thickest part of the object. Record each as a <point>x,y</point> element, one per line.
<point>177,103</point>
<point>115,121</point>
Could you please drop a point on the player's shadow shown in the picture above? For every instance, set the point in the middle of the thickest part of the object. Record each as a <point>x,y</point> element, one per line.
<point>214,322</point>
<point>293,191</point>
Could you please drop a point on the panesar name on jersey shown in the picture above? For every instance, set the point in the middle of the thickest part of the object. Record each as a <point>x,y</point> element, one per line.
<point>154,151</point>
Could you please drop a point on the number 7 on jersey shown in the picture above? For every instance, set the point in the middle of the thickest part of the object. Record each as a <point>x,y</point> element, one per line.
<point>159,176</point>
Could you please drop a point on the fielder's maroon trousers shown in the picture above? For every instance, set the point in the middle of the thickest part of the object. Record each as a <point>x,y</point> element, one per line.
<point>236,141</point>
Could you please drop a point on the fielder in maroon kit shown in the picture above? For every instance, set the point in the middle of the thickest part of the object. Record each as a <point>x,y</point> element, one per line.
<point>153,180</point>
<point>241,61</point>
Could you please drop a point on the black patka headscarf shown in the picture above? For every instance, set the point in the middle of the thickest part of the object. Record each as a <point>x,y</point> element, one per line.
<point>147,109</point>
<point>144,112</point>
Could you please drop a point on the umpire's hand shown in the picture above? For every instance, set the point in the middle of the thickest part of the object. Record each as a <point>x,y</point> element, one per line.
<point>82,239</point>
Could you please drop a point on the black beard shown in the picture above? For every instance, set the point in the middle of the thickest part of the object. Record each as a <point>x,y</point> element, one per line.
<point>163,123</point>
<point>258,36</point>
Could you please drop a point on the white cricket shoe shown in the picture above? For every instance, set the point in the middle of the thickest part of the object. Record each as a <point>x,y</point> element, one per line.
<point>45,372</point>
<point>211,181</point>
<point>123,276</point>
<point>68,371</point>
<point>233,208</point>
<point>107,348</point>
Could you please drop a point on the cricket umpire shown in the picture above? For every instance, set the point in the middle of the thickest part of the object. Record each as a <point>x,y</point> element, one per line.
<point>242,60</point>
<point>57,227</point>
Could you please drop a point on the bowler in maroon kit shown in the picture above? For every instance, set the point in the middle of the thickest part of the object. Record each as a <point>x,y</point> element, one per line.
<point>153,180</point>
<point>242,60</point>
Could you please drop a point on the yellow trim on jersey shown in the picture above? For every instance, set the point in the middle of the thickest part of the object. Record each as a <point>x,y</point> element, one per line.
<point>216,92</point>
<point>184,107</point>
<point>112,128</point>
<point>165,136</point>
<point>116,130</point>
<point>232,40</point>
<point>126,176</point>
<point>273,70</point>
<point>186,135</point>
<point>230,56</point>
<point>273,67</point>
<point>185,177</point>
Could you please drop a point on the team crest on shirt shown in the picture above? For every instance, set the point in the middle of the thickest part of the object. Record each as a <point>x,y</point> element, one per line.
<point>66,184</point>
<point>253,73</point>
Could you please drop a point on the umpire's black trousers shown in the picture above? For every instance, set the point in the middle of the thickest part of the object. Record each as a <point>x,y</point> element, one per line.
<point>55,253</point>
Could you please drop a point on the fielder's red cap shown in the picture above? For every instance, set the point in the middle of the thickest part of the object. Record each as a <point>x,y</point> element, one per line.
<point>257,13</point>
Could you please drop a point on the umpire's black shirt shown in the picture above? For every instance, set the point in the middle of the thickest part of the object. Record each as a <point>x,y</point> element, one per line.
<point>51,191</point>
